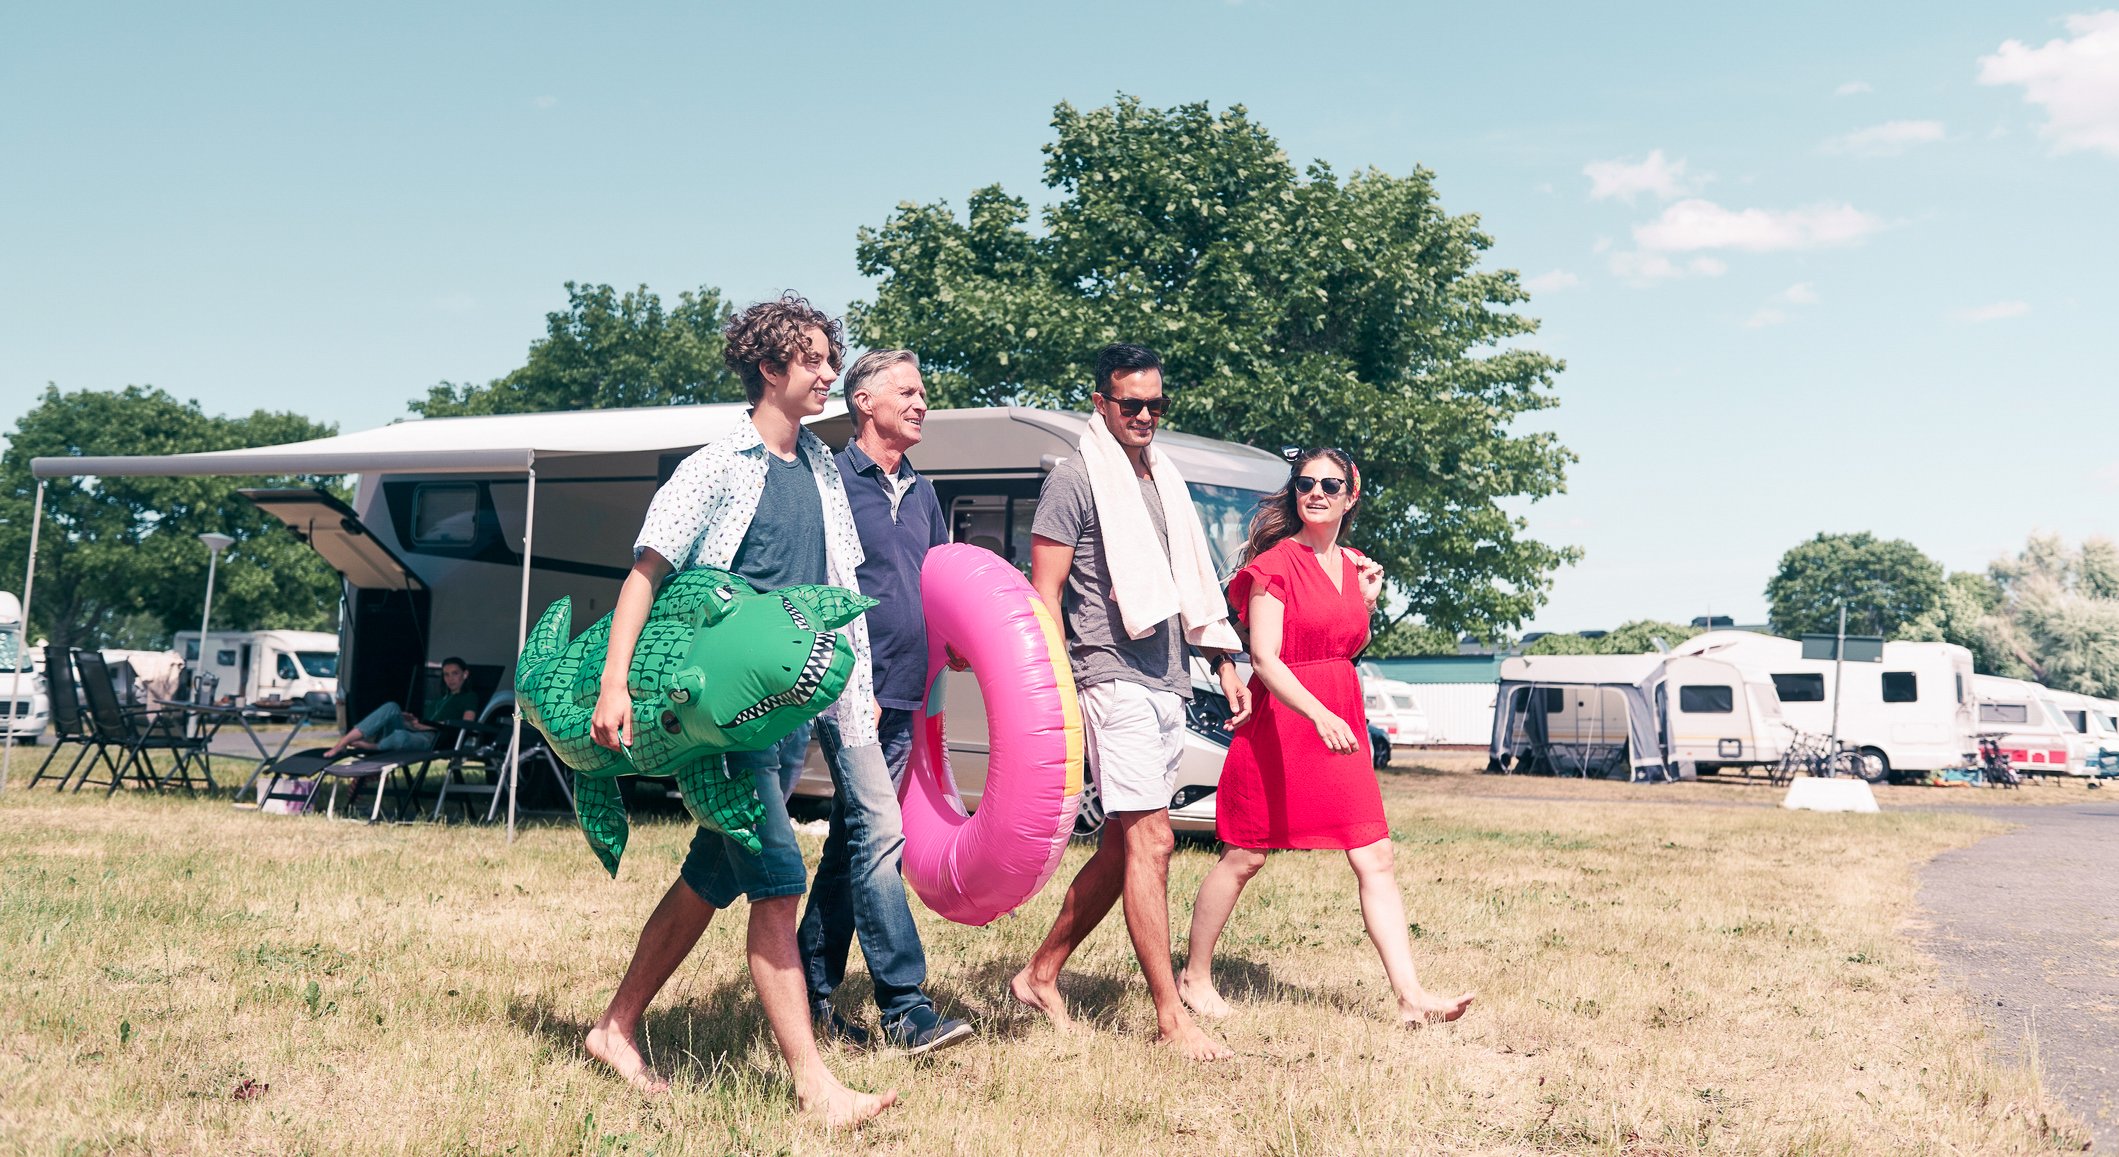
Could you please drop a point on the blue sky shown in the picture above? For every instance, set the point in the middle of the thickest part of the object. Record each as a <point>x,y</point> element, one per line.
<point>1812,267</point>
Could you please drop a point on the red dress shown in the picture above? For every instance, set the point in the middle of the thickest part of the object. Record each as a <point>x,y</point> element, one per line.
<point>1281,786</point>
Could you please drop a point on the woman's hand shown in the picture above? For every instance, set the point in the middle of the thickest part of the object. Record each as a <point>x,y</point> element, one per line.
<point>1336,734</point>
<point>612,725</point>
<point>1369,573</point>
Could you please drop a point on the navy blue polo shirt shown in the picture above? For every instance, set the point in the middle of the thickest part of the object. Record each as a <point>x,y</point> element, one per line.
<point>895,537</point>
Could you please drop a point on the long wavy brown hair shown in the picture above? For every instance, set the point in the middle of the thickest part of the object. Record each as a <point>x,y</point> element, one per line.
<point>1277,517</point>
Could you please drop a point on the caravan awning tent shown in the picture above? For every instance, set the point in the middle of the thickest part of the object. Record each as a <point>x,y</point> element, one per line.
<point>1580,710</point>
<point>496,444</point>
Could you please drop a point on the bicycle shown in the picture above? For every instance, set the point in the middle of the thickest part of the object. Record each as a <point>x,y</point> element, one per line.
<point>1811,754</point>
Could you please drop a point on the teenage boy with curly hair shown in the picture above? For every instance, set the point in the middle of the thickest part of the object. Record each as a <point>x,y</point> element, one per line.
<point>765,502</point>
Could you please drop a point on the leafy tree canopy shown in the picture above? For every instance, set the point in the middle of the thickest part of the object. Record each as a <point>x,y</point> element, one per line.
<point>1886,584</point>
<point>604,351</point>
<point>1289,306</point>
<point>1638,637</point>
<point>2051,613</point>
<point>120,562</point>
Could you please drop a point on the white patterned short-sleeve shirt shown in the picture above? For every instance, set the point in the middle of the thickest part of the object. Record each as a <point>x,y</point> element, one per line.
<point>699,518</point>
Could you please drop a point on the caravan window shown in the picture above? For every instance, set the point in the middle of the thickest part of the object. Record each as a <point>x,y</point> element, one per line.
<point>2004,713</point>
<point>1707,700</point>
<point>1960,687</point>
<point>445,514</point>
<point>285,668</point>
<point>1800,688</point>
<point>1901,687</point>
<point>1555,699</point>
<point>2079,720</point>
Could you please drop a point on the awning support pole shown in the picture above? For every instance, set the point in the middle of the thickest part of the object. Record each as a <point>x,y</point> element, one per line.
<point>29,588</point>
<point>522,639</point>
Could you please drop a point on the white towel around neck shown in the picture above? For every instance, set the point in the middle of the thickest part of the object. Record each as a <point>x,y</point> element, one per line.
<point>1149,584</point>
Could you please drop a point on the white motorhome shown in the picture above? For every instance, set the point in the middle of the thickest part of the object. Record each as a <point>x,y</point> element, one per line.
<point>1392,706</point>
<point>1599,714</point>
<point>25,709</point>
<point>433,546</point>
<point>280,666</point>
<point>2034,734</point>
<point>2091,720</point>
<point>1913,711</point>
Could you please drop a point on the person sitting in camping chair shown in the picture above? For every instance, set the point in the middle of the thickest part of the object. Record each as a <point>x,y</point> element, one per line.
<point>391,728</point>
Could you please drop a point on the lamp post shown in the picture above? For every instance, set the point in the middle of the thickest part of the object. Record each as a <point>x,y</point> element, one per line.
<point>215,544</point>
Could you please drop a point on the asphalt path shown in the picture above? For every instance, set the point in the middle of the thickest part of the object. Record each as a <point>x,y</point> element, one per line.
<point>2027,923</point>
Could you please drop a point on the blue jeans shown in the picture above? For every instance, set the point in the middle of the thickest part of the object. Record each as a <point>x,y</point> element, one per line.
<point>718,869</point>
<point>385,728</point>
<point>859,886</point>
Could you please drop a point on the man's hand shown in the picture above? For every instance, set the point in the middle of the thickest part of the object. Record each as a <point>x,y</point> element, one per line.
<point>1236,692</point>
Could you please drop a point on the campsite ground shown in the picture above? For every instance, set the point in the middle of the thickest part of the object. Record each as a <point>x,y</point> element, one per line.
<point>1652,980</point>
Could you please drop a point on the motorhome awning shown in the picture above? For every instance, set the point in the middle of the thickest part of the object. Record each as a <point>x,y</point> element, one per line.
<point>499,444</point>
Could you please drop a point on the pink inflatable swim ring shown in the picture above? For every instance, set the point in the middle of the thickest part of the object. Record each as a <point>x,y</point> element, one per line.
<point>974,869</point>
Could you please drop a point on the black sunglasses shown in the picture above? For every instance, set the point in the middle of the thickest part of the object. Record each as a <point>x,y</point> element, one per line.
<point>1332,486</point>
<point>1131,407</point>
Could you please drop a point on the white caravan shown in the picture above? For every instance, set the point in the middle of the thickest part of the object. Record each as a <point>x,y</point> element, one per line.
<point>25,709</point>
<point>1599,714</point>
<point>1391,706</point>
<point>2037,738</point>
<point>1913,711</point>
<point>432,548</point>
<point>2091,720</point>
<point>277,666</point>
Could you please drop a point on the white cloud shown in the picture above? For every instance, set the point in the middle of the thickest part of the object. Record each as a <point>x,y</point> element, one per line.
<point>2075,80</point>
<point>1887,139</point>
<point>1801,293</point>
<point>1852,88</point>
<point>1993,312</point>
<point>1629,179</point>
<point>1648,268</point>
<point>1552,282</point>
<point>1701,224</point>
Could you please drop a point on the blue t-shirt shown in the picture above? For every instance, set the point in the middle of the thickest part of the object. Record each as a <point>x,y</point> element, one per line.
<point>784,546</point>
<point>895,537</point>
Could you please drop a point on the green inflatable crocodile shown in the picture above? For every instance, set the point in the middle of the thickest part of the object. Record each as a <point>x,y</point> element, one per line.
<point>719,668</point>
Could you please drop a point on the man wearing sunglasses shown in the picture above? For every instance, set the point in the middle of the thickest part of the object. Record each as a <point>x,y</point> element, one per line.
<point>1118,556</point>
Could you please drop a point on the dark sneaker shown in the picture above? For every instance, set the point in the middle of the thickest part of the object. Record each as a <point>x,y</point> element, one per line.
<point>923,1030</point>
<point>830,1026</point>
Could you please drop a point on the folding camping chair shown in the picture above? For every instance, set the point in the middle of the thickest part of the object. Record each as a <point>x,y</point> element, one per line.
<point>69,726</point>
<point>136,732</point>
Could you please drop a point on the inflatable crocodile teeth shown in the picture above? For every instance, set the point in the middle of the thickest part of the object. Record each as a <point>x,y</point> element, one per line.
<point>719,668</point>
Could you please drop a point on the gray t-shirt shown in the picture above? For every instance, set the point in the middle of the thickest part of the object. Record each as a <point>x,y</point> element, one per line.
<point>1096,634</point>
<point>784,546</point>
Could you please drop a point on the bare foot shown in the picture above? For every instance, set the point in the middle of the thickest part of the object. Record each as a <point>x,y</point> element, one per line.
<point>1201,997</point>
<point>840,1107</point>
<point>616,1049</point>
<point>1428,1009</point>
<point>1043,997</point>
<point>1193,1043</point>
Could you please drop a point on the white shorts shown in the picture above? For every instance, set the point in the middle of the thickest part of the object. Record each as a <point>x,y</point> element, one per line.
<point>1136,740</point>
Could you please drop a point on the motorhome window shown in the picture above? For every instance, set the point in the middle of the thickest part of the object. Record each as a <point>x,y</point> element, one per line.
<point>1707,700</point>
<point>2053,714</point>
<point>319,664</point>
<point>1901,687</point>
<point>285,668</point>
<point>2079,720</point>
<point>1800,688</point>
<point>445,514</point>
<point>224,658</point>
<point>191,651</point>
<point>1404,703</point>
<point>1225,514</point>
<point>1960,686</point>
<point>2004,713</point>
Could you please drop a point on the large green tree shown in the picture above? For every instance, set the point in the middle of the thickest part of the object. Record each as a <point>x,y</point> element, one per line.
<point>1888,585</point>
<point>2052,614</point>
<point>1637,637</point>
<point>607,350</point>
<point>120,562</point>
<point>1290,306</point>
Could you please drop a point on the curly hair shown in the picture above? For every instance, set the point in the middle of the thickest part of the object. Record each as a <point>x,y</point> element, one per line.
<point>771,332</point>
<point>1277,517</point>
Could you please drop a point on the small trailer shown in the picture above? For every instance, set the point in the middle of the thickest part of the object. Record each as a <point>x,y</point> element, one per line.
<point>1632,716</point>
<point>2036,736</point>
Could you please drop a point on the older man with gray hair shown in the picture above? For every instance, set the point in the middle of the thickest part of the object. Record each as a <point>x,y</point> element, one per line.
<point>859,887</point>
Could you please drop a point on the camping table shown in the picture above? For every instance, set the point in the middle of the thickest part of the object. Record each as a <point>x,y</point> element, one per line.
<point>213,717</point>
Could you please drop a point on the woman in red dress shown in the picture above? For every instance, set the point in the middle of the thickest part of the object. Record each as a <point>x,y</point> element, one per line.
<point>1298,773</point>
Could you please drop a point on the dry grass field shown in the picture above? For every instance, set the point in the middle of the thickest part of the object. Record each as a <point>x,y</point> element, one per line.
<point>181,977</point>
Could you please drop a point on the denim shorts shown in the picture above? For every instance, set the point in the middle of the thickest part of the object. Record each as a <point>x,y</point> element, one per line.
<point>718,869</point>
